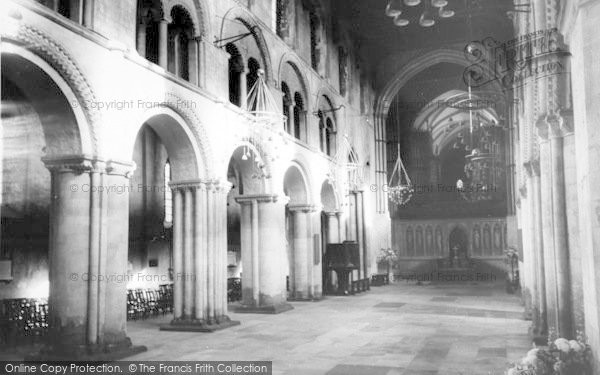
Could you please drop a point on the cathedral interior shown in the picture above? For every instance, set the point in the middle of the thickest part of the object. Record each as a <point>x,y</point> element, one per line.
<point>326,186</point>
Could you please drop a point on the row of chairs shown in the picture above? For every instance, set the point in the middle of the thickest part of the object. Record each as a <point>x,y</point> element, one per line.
<point>145,303</point>
<point>22,318</point>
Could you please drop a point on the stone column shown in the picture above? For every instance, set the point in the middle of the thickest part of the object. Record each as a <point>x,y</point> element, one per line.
<point>361,234</point>
<point>84,324</point>
<point>243,88</point>
<point>163,43</point>
<point>199,256</point>
<point>333,235</point>
<point>303,283</point>
<point>547,225</point>
<point>263,244</point>
<point>194,60</point>
<point>558,128</point>
<point>540,328</point>
<point>88,13</point>
<point>340,225</point>
<point>141,39</point>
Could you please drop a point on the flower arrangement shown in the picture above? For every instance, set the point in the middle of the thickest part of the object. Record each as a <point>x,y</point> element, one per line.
<point>560,357</point>
<point>387,256</point>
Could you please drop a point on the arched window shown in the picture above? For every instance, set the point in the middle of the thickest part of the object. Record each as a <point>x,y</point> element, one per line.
<point>343,65</point>
<point>168,198</point>
<point>315,39</point>
<point>149,15</point>
<point>329,138</point>
<point>252,76</point>
<point>287,104</point>
<point>282,25</point>
<point>298,115</point>
<point>321,131</point>
<point>236,69</point>
<point>181,32</point>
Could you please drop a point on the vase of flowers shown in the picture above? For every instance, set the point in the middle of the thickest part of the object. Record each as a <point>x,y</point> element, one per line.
<point>559,357</point>
<point>387,257</point>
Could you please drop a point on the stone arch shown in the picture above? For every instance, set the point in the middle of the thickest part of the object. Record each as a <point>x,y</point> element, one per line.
<point>414,67</point>
<point>296,184</point>
<point>295,63</point>
<point>193,125</point>
<point>255,148</point>
<point>250,21</point>
<point>50,56</point>
<point>326,92</point>
<point>329,198</point>
<point>184,149</point>
<point>198,11</point>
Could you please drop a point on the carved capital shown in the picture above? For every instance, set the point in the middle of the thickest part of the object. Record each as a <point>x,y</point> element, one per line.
<point>306,208</point>
<point>74,163</point>
<point>532,167</point>
<point>120,168</point>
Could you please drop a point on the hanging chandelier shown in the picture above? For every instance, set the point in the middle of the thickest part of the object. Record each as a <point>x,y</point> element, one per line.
<point>484,168</point>
<point>267,124</point>
<point>398,9</point>
<point>400,192</point>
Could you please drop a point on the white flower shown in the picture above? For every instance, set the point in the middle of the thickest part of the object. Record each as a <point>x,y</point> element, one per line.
<point>533,353</point>
<point>562,345</point>
<point>512,371</point>
<point>528,361</point>
<point>576,346</point>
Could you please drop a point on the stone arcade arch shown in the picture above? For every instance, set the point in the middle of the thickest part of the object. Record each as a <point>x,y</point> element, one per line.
<point>331,228</point>
<point>199,257</point>
<point>82,234</point>
<point>304,275</point>
<point>261,217</point>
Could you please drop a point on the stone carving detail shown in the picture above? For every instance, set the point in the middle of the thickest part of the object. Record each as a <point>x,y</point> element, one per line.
<point>487,240</point>
<point>439,240</point>
<point>477,240</point>
<point>419,241</point>
<point>410,242</point>
<point>429,240</point>
<point>497,239</point>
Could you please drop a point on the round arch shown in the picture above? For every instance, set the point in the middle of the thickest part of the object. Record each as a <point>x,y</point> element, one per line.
<point>328,95</point>
<point>414,67</point>
<point>197,9</point>
<point>50,58</point>
<point>296,184</point>
<point>249,20</point>
<point>295,63</point>
<point>185,152</point>
<point>329,198</point>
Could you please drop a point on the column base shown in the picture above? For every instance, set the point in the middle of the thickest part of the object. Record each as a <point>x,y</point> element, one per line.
<point>271,309</point>
<point>88,353</point>
<point>199,325</point>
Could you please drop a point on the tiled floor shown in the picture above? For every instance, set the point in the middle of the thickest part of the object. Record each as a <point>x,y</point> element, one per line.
<point>397,329</point>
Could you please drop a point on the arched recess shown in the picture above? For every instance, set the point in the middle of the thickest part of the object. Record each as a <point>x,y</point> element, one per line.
<point>385,99</point>
<point>45,109</point>
<point>186,154</point>
<point>38,48</point>
<point>303,261</point>
<point>248,20</point>
<point>458,243</point>
<point>199,12</point>
<point>327,125</point>
<point>291,60</point>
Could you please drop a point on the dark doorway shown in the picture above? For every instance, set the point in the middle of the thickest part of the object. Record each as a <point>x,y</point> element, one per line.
<point>458,244</point>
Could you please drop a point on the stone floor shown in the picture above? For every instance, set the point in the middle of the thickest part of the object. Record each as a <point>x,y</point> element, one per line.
<point>396,329</point>
<point>400,329</point>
